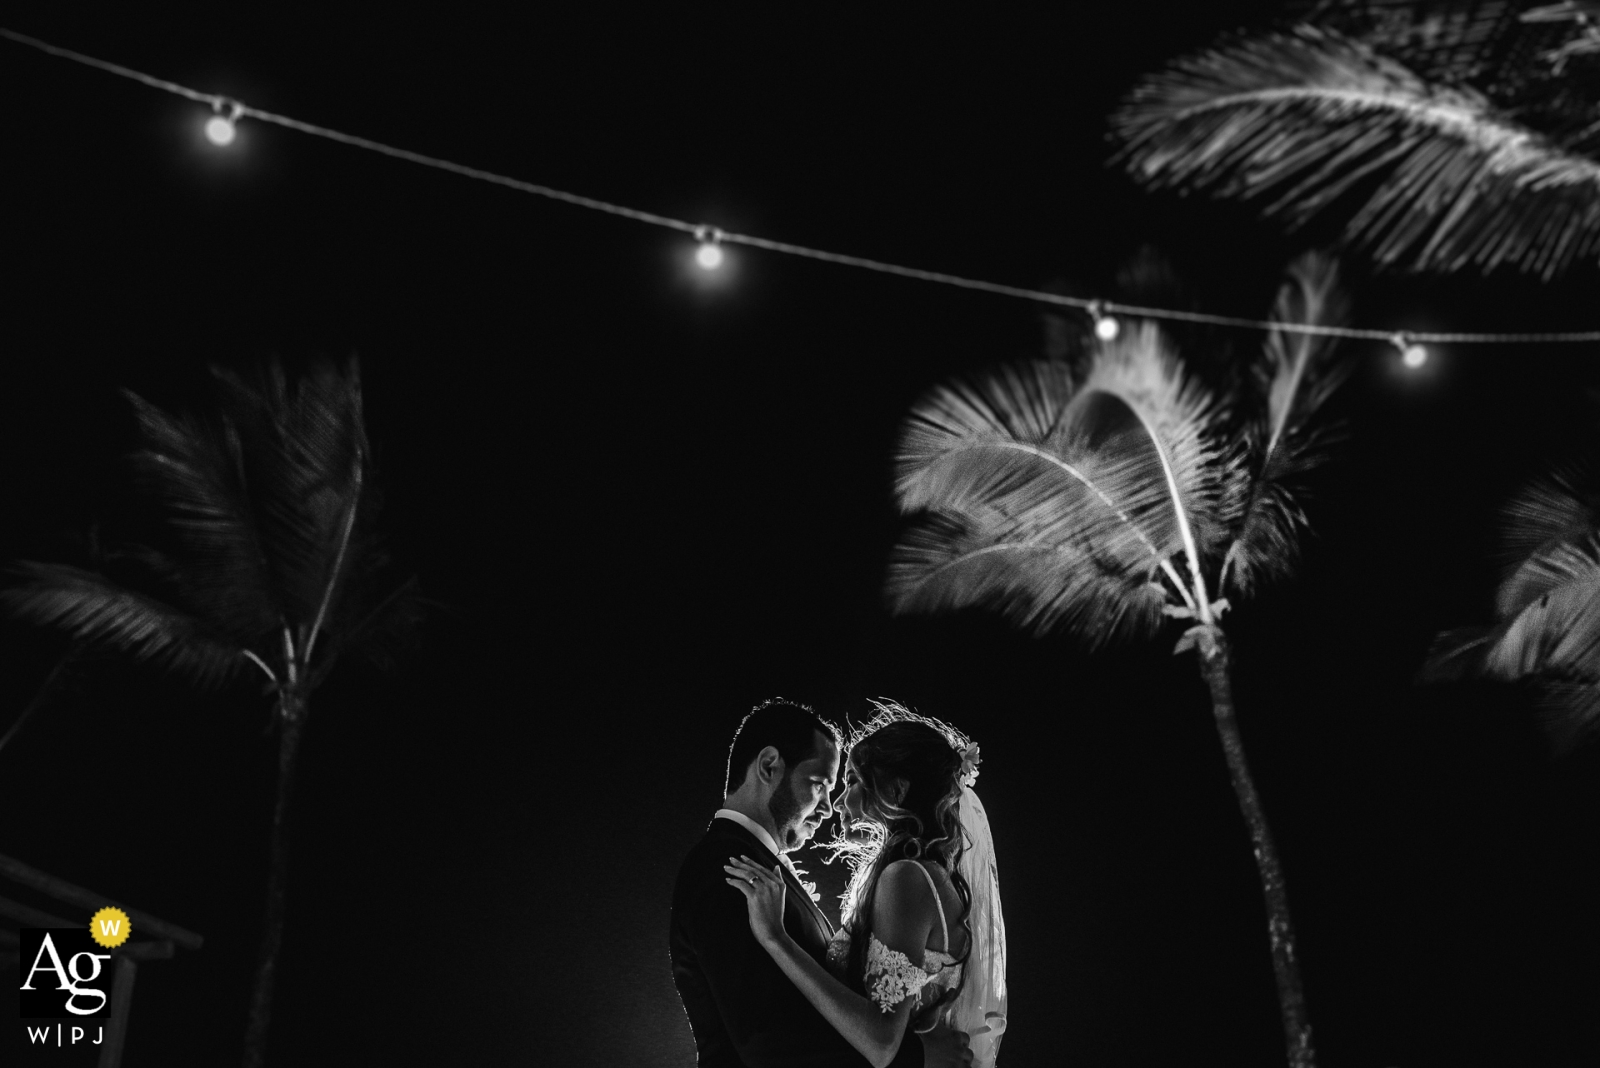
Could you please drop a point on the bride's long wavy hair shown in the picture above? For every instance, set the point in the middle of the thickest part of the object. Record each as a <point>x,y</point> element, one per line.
<point>924,825</point>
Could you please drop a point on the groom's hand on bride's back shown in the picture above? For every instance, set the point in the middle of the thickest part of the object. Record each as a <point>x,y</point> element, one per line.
<point>945,1048</point>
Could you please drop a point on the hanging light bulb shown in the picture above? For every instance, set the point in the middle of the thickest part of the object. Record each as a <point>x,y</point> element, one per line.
<point>219,131</point>
<point>709,254</point>
<point>220,128</point>
<point>1106,326</point>
<point>1413,354</point>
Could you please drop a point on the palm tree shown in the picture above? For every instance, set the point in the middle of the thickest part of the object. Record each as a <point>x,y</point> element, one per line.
<point>277,570</point>
<point>1446,135</point>
<point>1547,609</point>
<point>1106,504</point>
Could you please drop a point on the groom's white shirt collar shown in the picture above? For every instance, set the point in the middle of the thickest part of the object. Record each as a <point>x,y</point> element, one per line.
<point>756,829</point>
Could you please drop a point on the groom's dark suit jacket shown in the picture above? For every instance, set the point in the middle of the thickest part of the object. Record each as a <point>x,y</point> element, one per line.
<point>744,1011</point>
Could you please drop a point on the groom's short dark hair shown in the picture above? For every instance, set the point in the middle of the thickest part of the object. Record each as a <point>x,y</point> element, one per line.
<point>788,726</point>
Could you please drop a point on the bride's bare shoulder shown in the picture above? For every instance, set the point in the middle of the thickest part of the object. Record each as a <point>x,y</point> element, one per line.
<point>905,870</point>
<point>906,899</point>
<point>904,890</point>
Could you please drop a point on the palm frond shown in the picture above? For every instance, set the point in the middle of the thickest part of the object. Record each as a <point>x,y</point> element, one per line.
<point>1453,40</point>
<point>1310,119</point>
<point>304,450</point>
<point>1267,548</point>
<point>383,632</point>
<point>1556,564</point>
<point>1174,435</point>
<point>1061,503</point>
<point>97,611</point>
<point>1515,51</point>
<point>948,562</point>
<point>1126,459</point>
<point>1549,626</point>
<point>1024,403</point>
<point>1566,698</point>
<point>1456,655</point>
<point>193,469</point>
<point>1554,508</point>
<point>1548,607</point>
<point>1562,628</point>
<point>1297,376</point>
<point>262,497</point>
<point>1007,448</point>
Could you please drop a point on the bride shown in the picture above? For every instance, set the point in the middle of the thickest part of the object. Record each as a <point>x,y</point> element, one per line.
<point>923,939</point>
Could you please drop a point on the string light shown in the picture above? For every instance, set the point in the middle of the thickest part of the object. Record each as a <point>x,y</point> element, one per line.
<point>221,129</point>
<point>1412,354</point>
<point>709,255</point>
<point>1106,327</point>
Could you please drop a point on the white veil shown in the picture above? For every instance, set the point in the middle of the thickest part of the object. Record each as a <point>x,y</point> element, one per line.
<point>980,1007</point>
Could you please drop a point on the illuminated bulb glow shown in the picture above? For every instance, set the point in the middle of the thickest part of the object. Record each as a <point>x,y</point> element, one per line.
<point>708,255</point>
<point>1106,327</point>
<point>221,127</point>
<point>220,130</point>
<point>1412,354</point>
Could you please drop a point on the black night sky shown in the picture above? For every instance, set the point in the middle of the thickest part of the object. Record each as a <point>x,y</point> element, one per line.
<point>646,502</point>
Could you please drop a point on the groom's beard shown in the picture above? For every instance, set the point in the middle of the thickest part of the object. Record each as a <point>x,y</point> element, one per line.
<point>784,808</point>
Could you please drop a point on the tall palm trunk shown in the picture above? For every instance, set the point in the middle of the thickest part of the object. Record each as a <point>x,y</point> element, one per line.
<point>41,696</point>
<point>292,709</point>
<point>1216,667</point>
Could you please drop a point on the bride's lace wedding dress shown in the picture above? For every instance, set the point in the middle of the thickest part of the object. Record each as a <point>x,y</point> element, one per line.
<point>891,976</point>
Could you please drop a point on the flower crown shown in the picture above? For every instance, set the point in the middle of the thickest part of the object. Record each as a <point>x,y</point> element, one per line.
<point>969,766</point>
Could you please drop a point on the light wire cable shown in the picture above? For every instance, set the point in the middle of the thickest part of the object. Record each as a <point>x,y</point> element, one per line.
<point>238,109</point>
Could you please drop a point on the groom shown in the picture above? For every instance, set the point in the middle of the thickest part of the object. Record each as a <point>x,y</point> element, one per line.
<point>745,1013</point>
